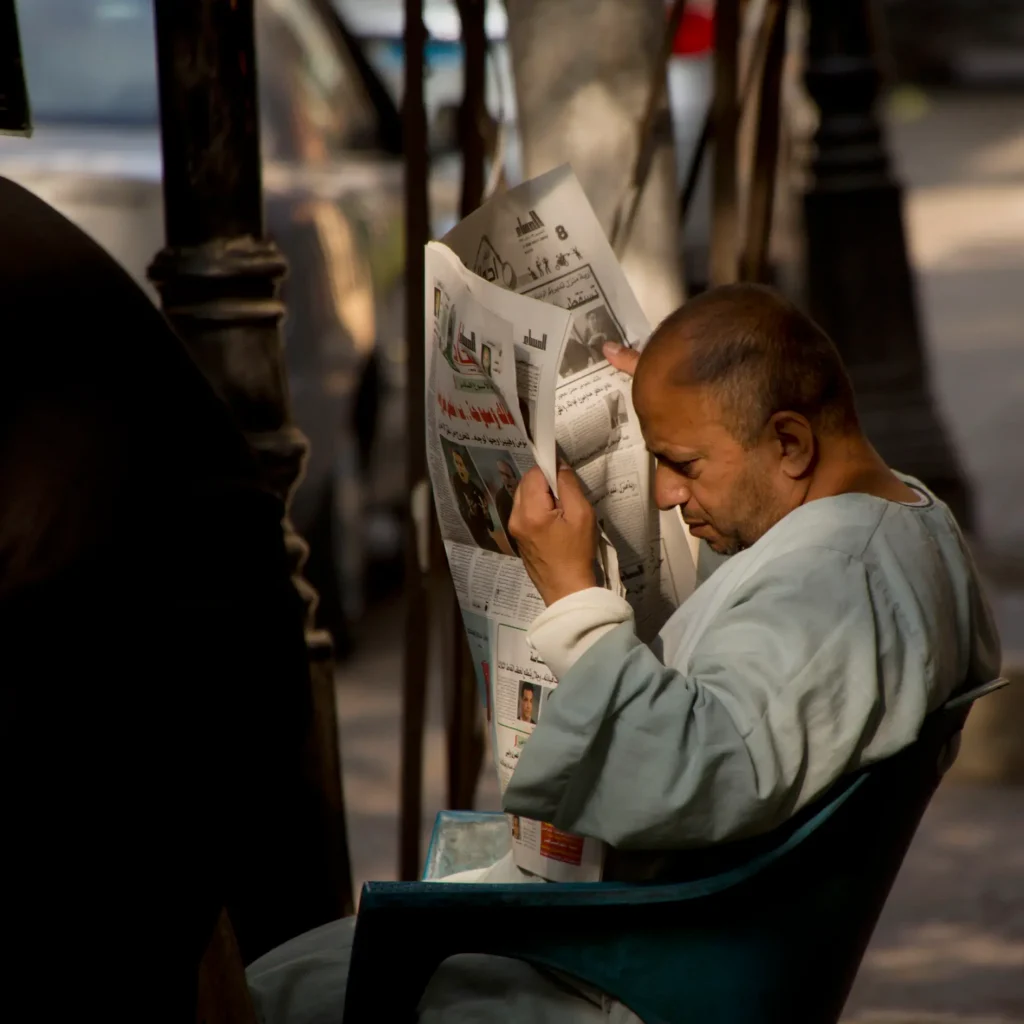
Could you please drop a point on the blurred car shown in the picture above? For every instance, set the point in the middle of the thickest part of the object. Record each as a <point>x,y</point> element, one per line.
<point>333,187</point>
<point>379,26</point>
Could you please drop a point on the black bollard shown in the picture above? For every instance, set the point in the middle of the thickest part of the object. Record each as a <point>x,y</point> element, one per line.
<point>860,287</point>
<point>219,279</point>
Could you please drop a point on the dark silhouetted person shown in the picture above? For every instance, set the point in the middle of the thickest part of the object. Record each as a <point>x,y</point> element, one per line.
<point>154,704</point>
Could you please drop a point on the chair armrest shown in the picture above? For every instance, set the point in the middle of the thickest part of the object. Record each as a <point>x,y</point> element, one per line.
<point>970,696</point>
<point>414,898</point>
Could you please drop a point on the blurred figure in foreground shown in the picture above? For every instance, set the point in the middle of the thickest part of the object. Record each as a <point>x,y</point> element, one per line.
<point>153,669</point>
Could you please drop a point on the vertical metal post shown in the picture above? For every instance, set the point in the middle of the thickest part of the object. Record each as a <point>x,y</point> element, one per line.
<point>859,282</point>
<point>725,223</point>
<point>218,279</point>
<point>473,112</point>
<point>414,683</point>
<point>465,740</point>
<point>761,199</point>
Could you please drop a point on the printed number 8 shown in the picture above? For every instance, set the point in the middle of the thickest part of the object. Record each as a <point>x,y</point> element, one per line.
<point>561,232</point>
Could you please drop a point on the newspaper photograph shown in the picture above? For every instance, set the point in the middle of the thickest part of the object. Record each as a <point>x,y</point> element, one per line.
<point>520,298</point>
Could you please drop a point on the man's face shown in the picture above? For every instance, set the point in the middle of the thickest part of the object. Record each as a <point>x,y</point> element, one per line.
<point>508,477</point>
<point>526,705</point>
<point>460,467</point>
<point>727,493</point>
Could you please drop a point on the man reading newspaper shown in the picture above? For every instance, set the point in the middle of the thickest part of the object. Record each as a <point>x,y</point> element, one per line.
<point>848,610</point>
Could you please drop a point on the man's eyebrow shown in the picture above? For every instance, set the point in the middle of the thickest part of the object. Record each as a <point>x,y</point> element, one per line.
<point>673,454</point>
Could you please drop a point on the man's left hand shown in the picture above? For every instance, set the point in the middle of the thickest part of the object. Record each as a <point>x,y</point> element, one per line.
<point>557,539</point>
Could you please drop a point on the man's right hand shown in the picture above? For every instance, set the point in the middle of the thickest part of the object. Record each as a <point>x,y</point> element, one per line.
<point>621,357</point>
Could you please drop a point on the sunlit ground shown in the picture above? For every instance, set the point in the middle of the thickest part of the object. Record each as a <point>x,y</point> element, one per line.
<point>951,940</point>
<point>964,158</point>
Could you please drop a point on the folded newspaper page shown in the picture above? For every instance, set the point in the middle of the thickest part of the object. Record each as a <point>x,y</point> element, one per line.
<point>520,298</point>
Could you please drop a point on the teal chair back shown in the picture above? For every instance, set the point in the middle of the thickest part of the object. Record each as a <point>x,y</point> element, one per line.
<point>777,938</point>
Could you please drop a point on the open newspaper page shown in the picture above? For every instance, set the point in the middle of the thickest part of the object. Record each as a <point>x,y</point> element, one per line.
<point>490,415</point>
<point>543,239</point>
<point>516,377</point>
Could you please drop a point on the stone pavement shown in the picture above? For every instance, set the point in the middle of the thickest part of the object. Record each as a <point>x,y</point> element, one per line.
<point>962,158</point>
<point>950,947</point>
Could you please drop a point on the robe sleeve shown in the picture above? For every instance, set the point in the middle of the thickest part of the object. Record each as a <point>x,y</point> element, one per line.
<point>778,697</point>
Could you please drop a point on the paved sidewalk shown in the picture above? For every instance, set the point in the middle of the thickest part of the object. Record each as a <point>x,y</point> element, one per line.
<point>950,945</point>
<point>962,159</point>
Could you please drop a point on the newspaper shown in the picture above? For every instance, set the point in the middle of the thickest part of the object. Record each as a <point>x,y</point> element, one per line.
<point>520,298</point>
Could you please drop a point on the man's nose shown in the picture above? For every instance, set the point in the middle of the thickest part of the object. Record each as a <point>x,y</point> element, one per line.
<point>670,488</point>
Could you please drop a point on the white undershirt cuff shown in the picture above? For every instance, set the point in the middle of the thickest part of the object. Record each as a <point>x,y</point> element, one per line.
<point>567,629</point>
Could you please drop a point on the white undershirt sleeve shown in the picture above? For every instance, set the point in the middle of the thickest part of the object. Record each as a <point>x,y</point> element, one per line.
<point>566,630</point>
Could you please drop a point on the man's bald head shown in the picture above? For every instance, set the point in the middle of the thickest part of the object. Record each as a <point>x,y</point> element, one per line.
<point>757,354</point>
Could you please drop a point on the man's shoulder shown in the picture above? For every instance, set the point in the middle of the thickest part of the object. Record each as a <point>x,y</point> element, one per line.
<point>861,525</point>
<point>898,551</point>
<point>844,525</point>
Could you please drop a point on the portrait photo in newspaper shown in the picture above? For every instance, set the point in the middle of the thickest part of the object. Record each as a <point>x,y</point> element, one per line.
<point>529,702</point>
<point>501,478</point>
<point>476,501</point>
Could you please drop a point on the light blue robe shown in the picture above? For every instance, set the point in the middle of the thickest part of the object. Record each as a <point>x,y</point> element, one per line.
<point>819,649</point>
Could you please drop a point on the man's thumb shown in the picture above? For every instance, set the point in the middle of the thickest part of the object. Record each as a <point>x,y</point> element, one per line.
<point>621,357</point>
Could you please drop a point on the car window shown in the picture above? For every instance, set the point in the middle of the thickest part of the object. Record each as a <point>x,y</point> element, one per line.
<point>321,108</point>
<point>90,61</point>
<point>94,62</point>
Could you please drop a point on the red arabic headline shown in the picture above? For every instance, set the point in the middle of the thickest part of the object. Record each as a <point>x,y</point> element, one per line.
<point>497,416</point>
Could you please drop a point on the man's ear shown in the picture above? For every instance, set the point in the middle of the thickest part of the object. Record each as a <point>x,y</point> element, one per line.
<point>796,442</point>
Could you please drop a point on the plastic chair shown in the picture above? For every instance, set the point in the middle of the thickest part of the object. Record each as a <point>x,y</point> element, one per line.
<point>778,938</point>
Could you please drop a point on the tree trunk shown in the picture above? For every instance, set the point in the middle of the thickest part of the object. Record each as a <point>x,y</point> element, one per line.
<point>583,71</point>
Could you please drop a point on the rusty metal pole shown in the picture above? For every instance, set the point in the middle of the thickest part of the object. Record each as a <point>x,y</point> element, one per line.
<point>218,279</point>
<point>725,224</point>
<point>465,738</point>
<point>473,112</point>
<point>417,596</point>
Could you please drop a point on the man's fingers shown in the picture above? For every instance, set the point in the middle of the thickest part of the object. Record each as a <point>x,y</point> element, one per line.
<point>622,358</point>
<point>532,501</point>
<point>533,489</point>
<point>571,496</point>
